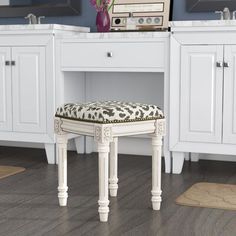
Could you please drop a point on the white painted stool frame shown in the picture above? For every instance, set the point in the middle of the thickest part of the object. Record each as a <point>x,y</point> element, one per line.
<point>105,135</point>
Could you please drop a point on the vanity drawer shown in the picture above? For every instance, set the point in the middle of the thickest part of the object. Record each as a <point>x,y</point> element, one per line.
<point>113,55</point>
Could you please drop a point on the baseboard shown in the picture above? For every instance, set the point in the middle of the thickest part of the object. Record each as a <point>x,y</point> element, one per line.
<point>21,144</point>
<point>215,157</point>
<point>126,145</point>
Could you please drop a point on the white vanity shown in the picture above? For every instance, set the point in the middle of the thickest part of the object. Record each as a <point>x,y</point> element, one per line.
<point>27,82</point>
<point>128,66</point>
<point>43,66</point>
<point>202,89</point>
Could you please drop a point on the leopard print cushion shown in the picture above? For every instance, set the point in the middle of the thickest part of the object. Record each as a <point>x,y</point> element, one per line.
<point>109,112</point>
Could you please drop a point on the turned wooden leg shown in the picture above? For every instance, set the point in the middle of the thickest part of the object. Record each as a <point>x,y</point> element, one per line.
<point>62,169</point>
<point>156,172</point>
<point>113,180</point>
<point>103,202</point>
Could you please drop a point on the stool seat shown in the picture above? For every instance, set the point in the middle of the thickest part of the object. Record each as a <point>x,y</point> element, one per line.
<point>109,112</point>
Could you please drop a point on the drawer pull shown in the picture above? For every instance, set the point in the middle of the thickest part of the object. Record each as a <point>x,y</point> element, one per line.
<point>109,54</point>
<point>13,63</point>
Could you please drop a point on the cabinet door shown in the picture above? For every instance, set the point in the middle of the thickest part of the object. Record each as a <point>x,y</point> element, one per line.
<point>201,94</point>
<point>229,122</point>
<point>29,89</point>
<point>5,90</point>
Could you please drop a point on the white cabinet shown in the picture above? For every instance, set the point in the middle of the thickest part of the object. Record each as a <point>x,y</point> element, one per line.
<point>208,94</point>
<point>5,90</point>
<point>202,91</point>
<point>23,90</point>
<point>27,92</point>
<point>27,84</point>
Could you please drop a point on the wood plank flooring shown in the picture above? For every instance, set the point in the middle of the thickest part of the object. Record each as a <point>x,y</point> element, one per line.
<point>29,206</point>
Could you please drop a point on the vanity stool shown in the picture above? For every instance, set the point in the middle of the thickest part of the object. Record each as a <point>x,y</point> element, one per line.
<point>106,121</point>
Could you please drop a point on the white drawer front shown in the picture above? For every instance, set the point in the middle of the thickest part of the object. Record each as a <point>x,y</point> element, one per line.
<point>113,55</point>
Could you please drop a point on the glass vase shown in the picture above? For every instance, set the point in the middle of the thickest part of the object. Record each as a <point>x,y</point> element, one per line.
<point>103,21</point>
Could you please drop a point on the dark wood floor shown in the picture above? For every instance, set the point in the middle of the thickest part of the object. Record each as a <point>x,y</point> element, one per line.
<point>28,201</point>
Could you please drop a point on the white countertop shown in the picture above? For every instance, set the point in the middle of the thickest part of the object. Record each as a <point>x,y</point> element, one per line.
<point>121,35</point>
<point>43,27</point>
<point>204,25</point>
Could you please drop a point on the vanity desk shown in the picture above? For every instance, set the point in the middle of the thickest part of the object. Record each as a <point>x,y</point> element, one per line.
<point>202,89</point>
<point>127,66</point>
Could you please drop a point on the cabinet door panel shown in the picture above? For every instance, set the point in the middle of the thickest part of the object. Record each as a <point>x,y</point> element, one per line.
<point>29,91</point>
<point>201,94</point>
<point>229,122</point>
<point>5,90</point>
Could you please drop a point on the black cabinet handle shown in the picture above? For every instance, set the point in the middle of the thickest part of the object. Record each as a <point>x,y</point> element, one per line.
<point>219,64</point>
<point>7,63</point>
<point>13,63</point>
<point>226,64</point>
<point>109,54</point>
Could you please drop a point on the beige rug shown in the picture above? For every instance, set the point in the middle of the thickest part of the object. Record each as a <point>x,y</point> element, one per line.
<point>210,195</point>
<point>6,171</point>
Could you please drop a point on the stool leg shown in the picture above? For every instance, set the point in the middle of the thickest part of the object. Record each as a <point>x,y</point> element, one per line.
<point>103,202</point>
<point>156,172</point>
<point>113,180</point>
<point>62,169</point>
